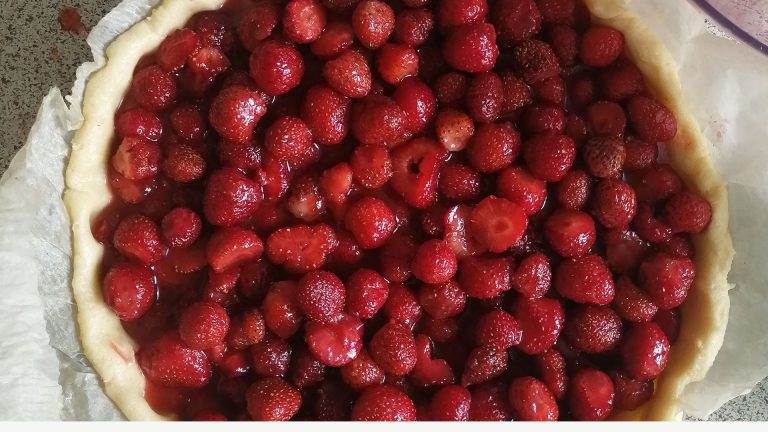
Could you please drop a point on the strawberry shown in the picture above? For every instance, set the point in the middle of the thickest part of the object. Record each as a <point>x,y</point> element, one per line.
<point>139,123</point>
<point>416,167</point>
<point>631,303</point>
<point>604,156</point>
<point>484,364</point>
<point>230,197</point>
<point>656,183</point>
<point>484,277</point>
<point>543,118</point>
<point>183,163</point>
<point>348,74</point>
<point>373,22</point>
<point>630,394</point>
<point>571,233</point>
<point>532,276</point>
<point>129,290</point>
<point>371,166</point>
<point>639,154</point>
<point>497,329</point>
<point>644,351</point>
<point>208,62</point>
<point>550,156</point>
<point>484,97</point>
<point>246,329</point>
<point>371,221</point>
<point>572,192</point>
<point>413,27</point>
<point>531,400</point>
<point>301,248</point>
<point>652,121</point>
<point>489,403</point>
<point>606,118</point>
<point>600,46</point>
<point>450,403</point>
<point>137,237</point>
<point>451,13</point>
<point>395,62</point>
<point>493,147</point>
<point>288,138</point>
<point>367,292</point>
<point>535,61</point>
<point>379,120</point>
<point>450,88</point>
<point>167,361</point>
<point>551,367</point>
<point>498,223</point>
<point>229,247</point>
<point>516,20</point>
<point>621,80</point>
<point>393,348</point>
<point>271,356</point>
<point>181,227</point>
<point>591,395</point>
<point>417,102</point>
<point>280,307</point>
<point>565,43</point>
<point>624,250</point>
<point>203,325</point>
<point>257,23</point>
<point>593,329</point>
<point>383,403</point>
<point>235,111</point>
<point>585,280</point>
<point>687,212</point>
<point>326,113</point>
<point>541,322</point>
<point>272,399</point>
<point>667,279</point>
<point>137,159</point>
<point>471,48</point>
<point>362,372</point>
<point>429,372</point>
<point>303,20</point>
<point>276,67</point>
<point>153,88</point>
<point>176,48</point>
<point>613,203</point>
<point>337,37</point>
<point>453,129</point>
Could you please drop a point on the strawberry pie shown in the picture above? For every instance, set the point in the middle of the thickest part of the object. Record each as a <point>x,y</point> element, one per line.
<point>395,210</point>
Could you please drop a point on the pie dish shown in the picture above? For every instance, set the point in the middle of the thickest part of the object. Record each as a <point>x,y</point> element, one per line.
<point>113,352</point>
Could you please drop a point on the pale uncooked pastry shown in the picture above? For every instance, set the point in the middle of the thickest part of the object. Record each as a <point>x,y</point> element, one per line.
<point>111,350</point>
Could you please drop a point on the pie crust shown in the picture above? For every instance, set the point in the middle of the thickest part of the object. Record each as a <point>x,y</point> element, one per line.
<point>112,352</point>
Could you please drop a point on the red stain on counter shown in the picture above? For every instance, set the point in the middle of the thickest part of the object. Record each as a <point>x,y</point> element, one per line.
<point>70,20</point>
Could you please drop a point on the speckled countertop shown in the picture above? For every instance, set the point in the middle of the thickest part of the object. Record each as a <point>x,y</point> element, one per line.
<point>35,55</point>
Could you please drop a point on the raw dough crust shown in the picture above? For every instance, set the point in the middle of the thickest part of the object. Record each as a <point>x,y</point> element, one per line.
<point>111,350</point>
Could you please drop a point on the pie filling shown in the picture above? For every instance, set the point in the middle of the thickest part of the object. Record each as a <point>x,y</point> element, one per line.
<point>396,211</point>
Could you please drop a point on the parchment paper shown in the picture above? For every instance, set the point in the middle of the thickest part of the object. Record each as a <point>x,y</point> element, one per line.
<point>45,376</point>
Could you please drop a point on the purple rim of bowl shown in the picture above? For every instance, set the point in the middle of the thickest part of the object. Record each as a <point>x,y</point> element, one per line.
<point>732,27</point>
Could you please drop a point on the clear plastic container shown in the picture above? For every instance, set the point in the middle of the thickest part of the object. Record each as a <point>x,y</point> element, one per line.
<point>745,19</point>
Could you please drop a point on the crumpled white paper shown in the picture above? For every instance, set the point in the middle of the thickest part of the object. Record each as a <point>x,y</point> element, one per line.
<point>45,376</point>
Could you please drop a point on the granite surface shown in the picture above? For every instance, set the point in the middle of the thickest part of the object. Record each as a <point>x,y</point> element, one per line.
<point>36,54</point>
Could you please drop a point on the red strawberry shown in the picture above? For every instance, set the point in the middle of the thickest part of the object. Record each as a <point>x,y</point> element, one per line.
<point>600,46</point>
<point>139,123</point>
<point>371,221</point>
<point>373,22</point>
<point>450,88</point>
<point>208,62</point>
<point>450,403</point>
<point>549,157</point>
<point>630,394</point>
<point>301,248</point>
<point>593,329</point>
<point>591,395</point>
<point>613,203</point>
<point>652,121</point>
<point>484,277</point>
<point>137,159</point>
<point>656,183</point>
<point>516,20</point>
<point>257,23</point>
<point>137,237</point>
<point>459,182</point>
<point>429,372</point>
<point>489,403</point>
<point>337,37</point>
<point>453,129</point>
<point>484,364</point>
<point>245,156</point>
<point>303,20</point>
<point>335,344</point>
<point>434,262</point>
<point>276,67</point>
<point>230,197</point>
<point>235,111</point>
<point>624,250</point>
<point>573,190</point>
<point>667,279</point>
<point>498,223</point>
<point>183,163</point>
<point>383,403</point>
<point>484,97</point>
<point>543,118</point>
<point>551,366</point>
<point>493,147</point>
<point>271,357</point>
<point>535,61</point>
<point>246,329</point>
<point>443,300</point>
<point>174,51</point>
<point>203,325</point>
<point>585,280</point>
<point>497,329</point>
<point>604,156</point>
<point>362,372</point>
<point>414,26</point>
<point>621,80</point>
<point>348,74</point>
<point>639,154</point>
<point>541,322</point>
<point>416,168</point>
<point>687,212</point>
<point>631,303</point>
<point>417,101</point>
<point>531,400</point>
<point>371,166</point>
<point>394,349</point>
<point>272,399</point>
<point>168,362</point>
<point>395,62</point>
<point>565,43</point>
<point>451,13</point>
<point>532,276</point>
<point>379,120</point>
<point>129,290</point>
<point>367,292</point>
<point>571,233</point>
<point>153,88</point>
<point>181,227</point>
<point>644,351</point>
<point>471,48</point>
<point>321,296</point>
<point>281,309</point>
